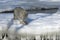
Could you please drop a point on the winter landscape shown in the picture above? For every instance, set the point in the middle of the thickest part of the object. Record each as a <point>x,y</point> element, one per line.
<point>41,26</point>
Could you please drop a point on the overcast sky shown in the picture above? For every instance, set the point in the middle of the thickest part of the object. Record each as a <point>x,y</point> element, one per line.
<point>16,2</point>
<point>8,4</point>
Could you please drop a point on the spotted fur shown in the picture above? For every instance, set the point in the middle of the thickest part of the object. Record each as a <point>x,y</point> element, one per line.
<point>20,14</point>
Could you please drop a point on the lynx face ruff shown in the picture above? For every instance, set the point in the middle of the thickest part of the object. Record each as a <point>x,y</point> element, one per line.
<point>20,14</point>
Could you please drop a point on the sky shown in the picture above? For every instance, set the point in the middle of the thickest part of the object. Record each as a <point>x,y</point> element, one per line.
<point>10,4</point>
<point>16,2</point>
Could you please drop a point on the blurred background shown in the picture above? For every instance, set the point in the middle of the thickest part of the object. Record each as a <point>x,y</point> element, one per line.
<point>11,4</point>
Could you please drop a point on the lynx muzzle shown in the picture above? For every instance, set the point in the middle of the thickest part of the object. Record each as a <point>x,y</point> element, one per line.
<point>21,15</point>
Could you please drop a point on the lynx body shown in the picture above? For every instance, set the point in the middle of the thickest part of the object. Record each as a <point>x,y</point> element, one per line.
<point>20,14</point>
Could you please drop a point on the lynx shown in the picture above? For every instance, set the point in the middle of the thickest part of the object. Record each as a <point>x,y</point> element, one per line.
<point>21,15</point>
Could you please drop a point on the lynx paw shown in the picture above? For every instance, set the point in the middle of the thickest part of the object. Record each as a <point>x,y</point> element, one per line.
<point>24,23</point>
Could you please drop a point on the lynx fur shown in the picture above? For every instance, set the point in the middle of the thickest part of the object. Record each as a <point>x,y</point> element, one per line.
<point>20,14</point>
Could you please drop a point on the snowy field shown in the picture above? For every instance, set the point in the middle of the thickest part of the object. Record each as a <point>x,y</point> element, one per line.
<point>39,23</point>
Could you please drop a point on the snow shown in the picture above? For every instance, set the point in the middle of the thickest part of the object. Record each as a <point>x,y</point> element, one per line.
<point>42,25</point>
<point>4,19</point>
<point>38,23</point>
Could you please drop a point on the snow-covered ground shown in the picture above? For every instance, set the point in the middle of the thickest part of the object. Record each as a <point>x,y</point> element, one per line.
<point>38,23</point>
<point>42,23</point>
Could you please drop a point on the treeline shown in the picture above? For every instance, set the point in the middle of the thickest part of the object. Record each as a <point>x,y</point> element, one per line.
<point>36,9</point>
<point>11,11</point>
<point>41,9</point>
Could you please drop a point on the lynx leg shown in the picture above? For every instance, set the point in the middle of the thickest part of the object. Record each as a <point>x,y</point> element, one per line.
<point>15,17</point>
<point>22,22</point>
<point>16,14</point>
